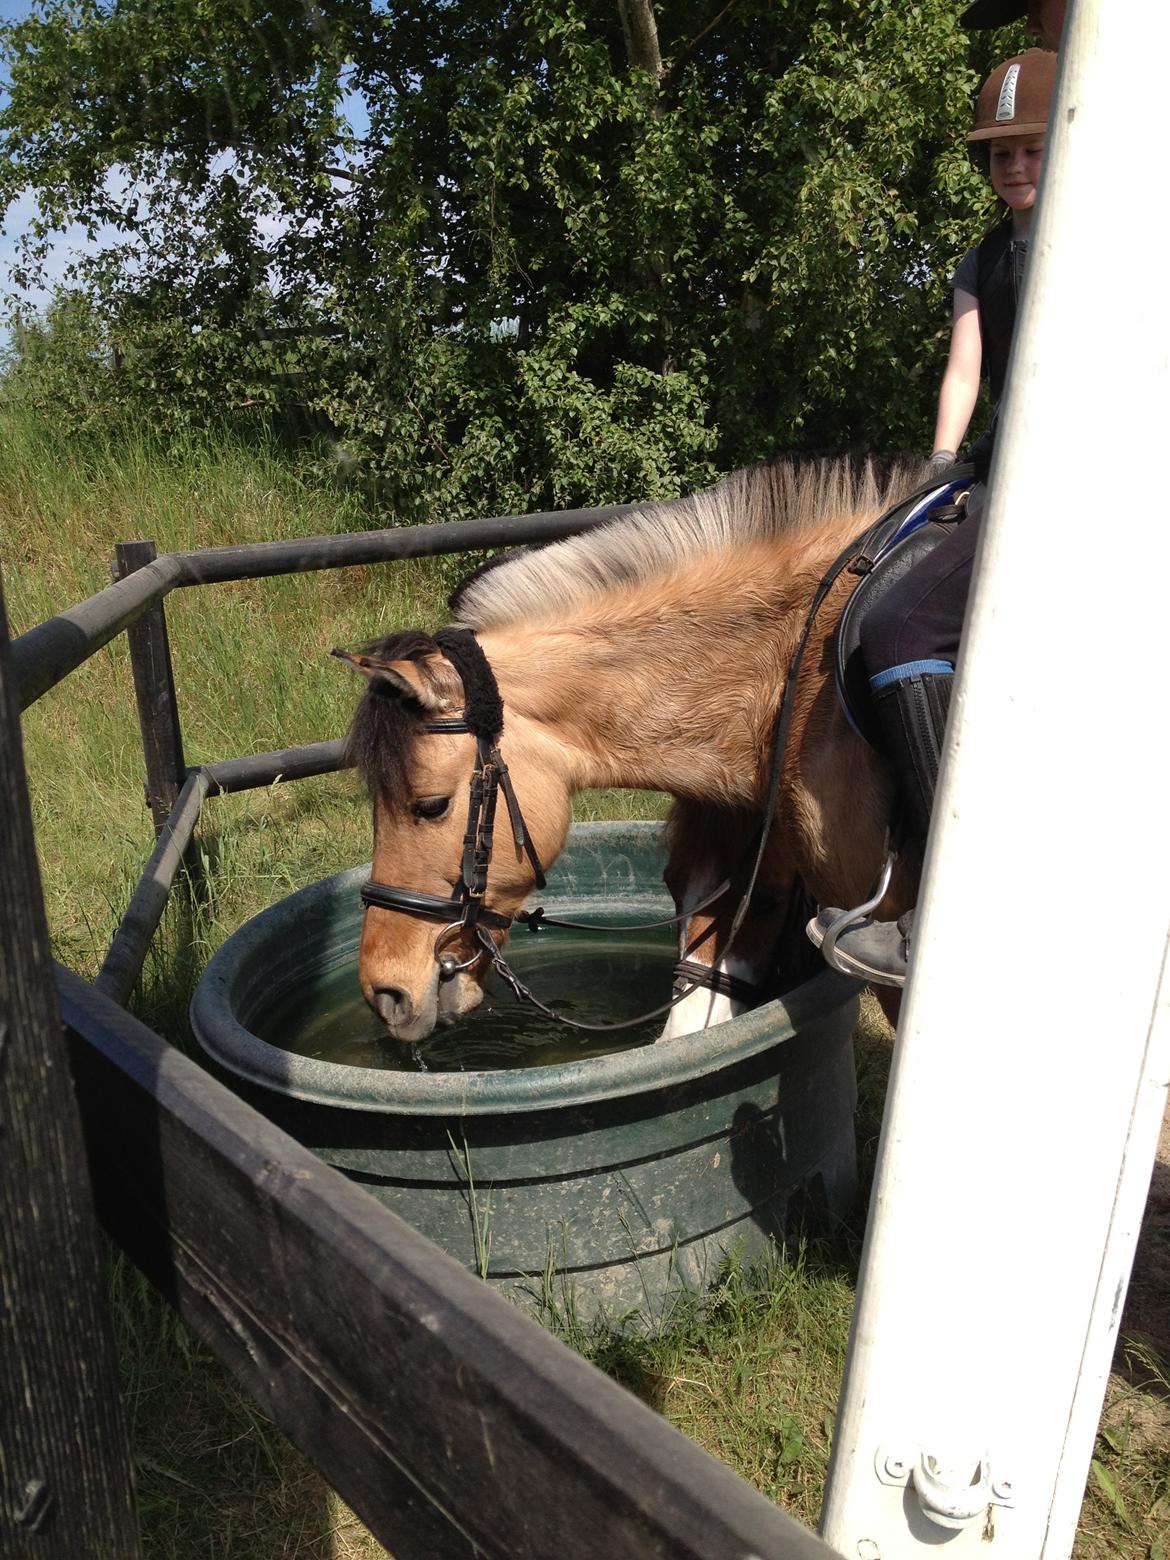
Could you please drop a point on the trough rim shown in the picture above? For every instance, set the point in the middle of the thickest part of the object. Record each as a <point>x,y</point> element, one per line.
<point>559,1085</point>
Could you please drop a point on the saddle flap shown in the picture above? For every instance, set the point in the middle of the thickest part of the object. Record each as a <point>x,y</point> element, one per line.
<point>897,542</point>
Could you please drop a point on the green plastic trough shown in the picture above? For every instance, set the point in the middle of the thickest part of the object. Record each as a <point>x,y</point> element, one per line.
<point>617,1178</point>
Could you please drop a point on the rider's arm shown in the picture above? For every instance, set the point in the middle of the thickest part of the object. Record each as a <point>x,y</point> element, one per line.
<point>960,386</point>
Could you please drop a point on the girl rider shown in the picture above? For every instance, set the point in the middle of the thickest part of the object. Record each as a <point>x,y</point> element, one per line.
<point>910,640</point>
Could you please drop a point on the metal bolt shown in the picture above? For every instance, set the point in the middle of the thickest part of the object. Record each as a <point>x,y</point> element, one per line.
<point>1002,1489</point>
<point>34,1505</point>
<point>897,1469</point>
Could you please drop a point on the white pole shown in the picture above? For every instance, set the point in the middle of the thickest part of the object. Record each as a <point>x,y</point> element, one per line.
<point>1031,1063</point>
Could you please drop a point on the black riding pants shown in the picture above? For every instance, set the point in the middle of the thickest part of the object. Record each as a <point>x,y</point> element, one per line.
<point>921,618</point>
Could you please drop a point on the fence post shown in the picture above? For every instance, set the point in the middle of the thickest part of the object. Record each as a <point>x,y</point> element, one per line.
<point>1030,1068</point>
<point>65,1483</point>
<point>154,688</point>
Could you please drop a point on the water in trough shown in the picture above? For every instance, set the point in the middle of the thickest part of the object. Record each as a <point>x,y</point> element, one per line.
<point>592,977</point>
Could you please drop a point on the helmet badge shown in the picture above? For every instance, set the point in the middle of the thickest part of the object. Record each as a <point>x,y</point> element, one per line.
<point>1006,107</point>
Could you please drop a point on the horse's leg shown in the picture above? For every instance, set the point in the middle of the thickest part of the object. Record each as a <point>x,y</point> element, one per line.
<point>839,804</point>
<point>890,1001</point>
<point>708,843</point>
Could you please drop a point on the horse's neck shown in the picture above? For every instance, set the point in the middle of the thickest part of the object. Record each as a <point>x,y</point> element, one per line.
<point>672,686</point>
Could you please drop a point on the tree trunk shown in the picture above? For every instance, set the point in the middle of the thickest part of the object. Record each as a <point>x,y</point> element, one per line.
<point>641,32</point>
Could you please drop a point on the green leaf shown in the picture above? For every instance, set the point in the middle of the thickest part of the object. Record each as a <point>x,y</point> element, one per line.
<point>1108,1487</point>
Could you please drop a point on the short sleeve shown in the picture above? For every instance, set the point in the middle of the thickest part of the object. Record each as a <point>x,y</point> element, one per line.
<point>966,277</point>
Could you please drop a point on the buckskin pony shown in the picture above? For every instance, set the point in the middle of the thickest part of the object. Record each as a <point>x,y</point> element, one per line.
<point>651,653</point>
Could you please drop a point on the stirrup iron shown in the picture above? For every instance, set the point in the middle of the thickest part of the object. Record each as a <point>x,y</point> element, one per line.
<point>848,919</point>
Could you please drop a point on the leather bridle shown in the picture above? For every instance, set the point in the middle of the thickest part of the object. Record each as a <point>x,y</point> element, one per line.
<point>467,914</point>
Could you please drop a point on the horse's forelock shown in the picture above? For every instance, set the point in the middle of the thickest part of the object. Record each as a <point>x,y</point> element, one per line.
<point>386,724</point>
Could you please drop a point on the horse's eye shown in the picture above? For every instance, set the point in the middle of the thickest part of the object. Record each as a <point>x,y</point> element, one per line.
<point>430,806</point>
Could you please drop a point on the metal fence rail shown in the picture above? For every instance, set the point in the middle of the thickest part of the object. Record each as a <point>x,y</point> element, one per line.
<point>45,655</point>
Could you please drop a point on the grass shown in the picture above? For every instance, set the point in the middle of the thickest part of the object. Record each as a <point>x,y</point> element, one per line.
<point>751,1369</point>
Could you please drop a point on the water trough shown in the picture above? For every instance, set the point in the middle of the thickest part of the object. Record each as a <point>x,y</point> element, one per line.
<point>600,1180</point>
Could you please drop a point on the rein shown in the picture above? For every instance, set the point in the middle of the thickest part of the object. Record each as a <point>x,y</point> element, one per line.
<point>469,915</point>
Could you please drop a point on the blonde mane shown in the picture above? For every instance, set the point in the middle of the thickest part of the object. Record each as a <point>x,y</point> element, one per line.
<point>778,500</point>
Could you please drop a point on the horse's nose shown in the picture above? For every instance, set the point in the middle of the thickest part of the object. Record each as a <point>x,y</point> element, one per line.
<point>393,1006</point>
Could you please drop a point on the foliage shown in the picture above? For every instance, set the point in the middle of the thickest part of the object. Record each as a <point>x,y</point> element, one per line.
<point>554,268</point>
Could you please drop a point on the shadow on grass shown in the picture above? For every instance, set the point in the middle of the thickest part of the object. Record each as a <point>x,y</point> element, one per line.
<point>1145,1322</point>
<point>214,1479</point>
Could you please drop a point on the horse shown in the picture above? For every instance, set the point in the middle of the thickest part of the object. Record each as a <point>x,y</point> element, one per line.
<point>651,652</point>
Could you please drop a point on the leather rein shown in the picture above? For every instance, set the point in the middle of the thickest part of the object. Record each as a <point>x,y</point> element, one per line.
<point>468,914</point>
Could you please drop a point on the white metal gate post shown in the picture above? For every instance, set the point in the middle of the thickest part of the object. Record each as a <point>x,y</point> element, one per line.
<point>1031,1064</point>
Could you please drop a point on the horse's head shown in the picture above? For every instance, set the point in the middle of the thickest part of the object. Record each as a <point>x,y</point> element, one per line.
<point>425,732</point>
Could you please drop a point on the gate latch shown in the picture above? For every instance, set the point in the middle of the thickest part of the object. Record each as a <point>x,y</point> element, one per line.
<point>953,1491</point>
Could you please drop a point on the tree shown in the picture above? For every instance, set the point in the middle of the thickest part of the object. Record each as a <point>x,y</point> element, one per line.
<point>583,250</point>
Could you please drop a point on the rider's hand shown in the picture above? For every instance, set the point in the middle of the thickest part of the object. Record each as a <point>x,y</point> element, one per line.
<point>940,461</point>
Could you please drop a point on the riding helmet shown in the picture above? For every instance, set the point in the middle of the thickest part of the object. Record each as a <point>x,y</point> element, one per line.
<point>993,13</point>
<point>1015,97</point>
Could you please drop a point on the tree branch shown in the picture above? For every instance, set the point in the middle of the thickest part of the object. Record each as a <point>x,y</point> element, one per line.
<point>671,70</point>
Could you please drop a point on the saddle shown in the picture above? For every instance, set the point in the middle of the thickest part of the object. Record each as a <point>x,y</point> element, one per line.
<point>894,544</point>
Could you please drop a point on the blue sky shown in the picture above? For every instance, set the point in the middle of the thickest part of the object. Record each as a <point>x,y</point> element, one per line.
<point>74,240</point>
<point>20,212</point>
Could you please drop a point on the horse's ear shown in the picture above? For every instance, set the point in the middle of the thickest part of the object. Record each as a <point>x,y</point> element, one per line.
<point>432,683</point>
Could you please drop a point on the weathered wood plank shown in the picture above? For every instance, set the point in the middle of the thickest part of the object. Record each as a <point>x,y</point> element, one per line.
<point>64,1460</point>
<point>451,1423</point>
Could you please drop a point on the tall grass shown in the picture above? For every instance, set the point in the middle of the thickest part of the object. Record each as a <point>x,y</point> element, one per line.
<point>751,1369</point>
<point>251,660</point>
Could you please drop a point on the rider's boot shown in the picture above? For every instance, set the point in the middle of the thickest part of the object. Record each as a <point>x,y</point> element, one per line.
<point>911,701</point>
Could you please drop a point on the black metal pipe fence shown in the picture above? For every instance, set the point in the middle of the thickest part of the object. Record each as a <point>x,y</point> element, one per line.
<point>135,604</point>
<point>44,656</point>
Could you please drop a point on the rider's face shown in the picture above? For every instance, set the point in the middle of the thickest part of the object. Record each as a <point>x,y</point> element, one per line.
<point>1046,21</point>
<point>1015,169</point>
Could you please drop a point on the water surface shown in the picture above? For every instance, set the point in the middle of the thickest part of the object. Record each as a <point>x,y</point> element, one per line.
<point>598,977</point>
